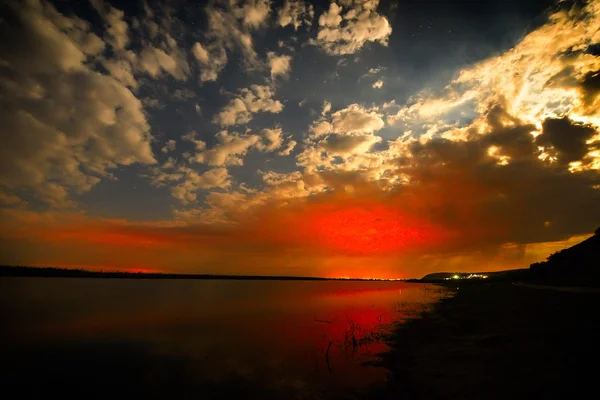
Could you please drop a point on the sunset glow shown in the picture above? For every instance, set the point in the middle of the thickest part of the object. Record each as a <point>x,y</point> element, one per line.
<point>369,229</point>
<point>299,199</point>
<point>353,138</point>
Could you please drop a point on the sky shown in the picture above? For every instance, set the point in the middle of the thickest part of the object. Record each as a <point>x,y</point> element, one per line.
<point>353,138</point>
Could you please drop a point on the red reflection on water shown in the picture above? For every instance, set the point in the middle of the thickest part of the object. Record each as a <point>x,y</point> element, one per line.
<point>312,331</point>
<point>348,326</point>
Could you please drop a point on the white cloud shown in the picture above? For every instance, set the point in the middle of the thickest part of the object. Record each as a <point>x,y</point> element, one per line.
<point>345,33</point>
<point>288,149</point>
<point>279,65</point>
<point>92,124</point>
<point>343,141</point>
<point>550,73</point>
<point>254,13</point>
<point>373,71</point>
<point>155,61</point>
<point>169,146</point>
<point>229,150</point>
<point>150,26</point>
<point>230,29</point>
<point>226,30</point>
<point>192,181</point>
<point>378,84</point>
<point>321,128</point>
<point>389,104</point>
<point>332,17</point>
<point>272,139</point>
<point>275,178</point>
<point>192,137</point>
<point>184,182</point>
<point>201,54</point>
<point>79,31</point>
<point>257,98</point>
<point>228,207</point>
<point>211,63</point>
<point>356,119</point>
<point>234,113</point>
<point>159,55</point>
<point>117,31</point>
<point>296,13</point>
<point>345,153</point>
<point>121,71</point>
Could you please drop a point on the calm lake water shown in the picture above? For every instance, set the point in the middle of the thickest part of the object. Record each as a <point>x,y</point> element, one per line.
<point>290,336</point>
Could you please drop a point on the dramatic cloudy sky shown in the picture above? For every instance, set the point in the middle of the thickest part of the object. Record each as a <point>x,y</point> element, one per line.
<point>351,138</point>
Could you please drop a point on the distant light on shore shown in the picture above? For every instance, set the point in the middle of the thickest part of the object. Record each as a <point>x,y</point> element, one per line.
<point>470,276</point>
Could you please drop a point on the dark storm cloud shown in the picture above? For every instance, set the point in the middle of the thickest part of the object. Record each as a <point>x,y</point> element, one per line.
<point>590,86</point>
<point>464,187</point>
<point>566,137</point>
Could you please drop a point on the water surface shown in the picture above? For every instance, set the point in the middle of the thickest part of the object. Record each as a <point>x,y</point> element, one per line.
<point>299,336</point>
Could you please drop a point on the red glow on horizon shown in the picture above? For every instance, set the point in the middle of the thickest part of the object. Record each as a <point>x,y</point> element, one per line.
<point>105,237</point>
<point>102,268</point>
<point>367,278</point>
<point>368,230</point>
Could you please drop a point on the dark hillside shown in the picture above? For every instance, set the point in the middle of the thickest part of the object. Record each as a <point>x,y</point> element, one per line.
<point>578,265</point>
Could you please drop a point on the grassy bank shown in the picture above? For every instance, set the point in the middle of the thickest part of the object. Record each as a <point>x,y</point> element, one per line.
<point>497,341</point>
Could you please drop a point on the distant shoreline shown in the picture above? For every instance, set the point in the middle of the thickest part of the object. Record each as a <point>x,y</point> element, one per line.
<point>53,272</point>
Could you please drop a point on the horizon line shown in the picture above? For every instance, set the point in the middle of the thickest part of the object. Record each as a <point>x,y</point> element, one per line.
<point>87,273</point>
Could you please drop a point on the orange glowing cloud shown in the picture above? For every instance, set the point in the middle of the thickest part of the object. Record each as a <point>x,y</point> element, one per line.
<point>367,229</point>
<point>341,235</point>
